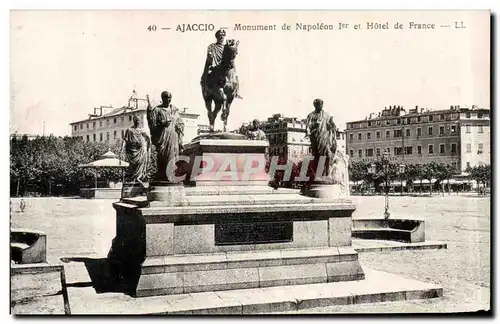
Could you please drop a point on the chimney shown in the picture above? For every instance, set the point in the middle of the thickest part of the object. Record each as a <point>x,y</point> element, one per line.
<point>421,110</point>
<point>184,109</point>
<point>416,107</point>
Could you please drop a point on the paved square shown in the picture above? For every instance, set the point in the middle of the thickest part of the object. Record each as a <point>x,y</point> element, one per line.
<point>86,228</point>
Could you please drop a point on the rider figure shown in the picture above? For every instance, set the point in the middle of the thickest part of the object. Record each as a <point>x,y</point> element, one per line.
<point>214,59</point>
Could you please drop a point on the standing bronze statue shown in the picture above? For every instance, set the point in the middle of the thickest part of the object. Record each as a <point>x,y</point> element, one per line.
<point>167,129</point>
<point>219,82</point>
<point>321,130</point>
<point>137,145</point>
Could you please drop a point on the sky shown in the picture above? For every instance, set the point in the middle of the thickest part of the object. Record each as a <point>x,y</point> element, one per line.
<point>65,63</point>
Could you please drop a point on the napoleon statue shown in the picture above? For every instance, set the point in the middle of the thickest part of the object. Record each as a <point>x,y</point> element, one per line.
<point>219,81</point>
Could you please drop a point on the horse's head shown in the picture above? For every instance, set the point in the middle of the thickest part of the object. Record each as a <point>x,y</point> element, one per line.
<point>230,53</point>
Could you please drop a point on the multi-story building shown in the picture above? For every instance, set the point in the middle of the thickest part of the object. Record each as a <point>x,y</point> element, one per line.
<point>108,124</point>
<point>459,136</point>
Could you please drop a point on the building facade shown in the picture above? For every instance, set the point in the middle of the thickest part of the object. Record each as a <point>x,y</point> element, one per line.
<point>286,136</point>
<point>458,136</point>
<point>108,124</point>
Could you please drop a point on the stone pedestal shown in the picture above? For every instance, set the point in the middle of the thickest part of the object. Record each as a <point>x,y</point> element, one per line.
<point>222,235</point>
<point>221,162</point>
<point>132,190</point>
<point>325,190</point>
<point>167,194</point>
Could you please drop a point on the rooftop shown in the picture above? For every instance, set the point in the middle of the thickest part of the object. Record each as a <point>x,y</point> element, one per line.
<point>400,111</point>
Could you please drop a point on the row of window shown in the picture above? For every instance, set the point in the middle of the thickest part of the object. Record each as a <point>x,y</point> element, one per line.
<point>275,151</point>
<point>108,121</point>
<point>411,120</point>
<point>408,150</point>
<point>398,133</point>
<point>101,138</point>
<point>283,137</point>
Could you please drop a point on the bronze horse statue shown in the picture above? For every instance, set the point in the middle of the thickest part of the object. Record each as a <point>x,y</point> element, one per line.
<point>221,86</point>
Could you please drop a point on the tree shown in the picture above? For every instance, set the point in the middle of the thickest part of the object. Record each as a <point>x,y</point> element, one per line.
<point>429,172</point>
<point>444,172</point>
<point>47,162</point>
<point>480,173</point>
<point>411,174</point>
<point>358,171</point>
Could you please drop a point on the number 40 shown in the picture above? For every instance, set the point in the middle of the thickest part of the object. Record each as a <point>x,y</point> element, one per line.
<point>152,28</point>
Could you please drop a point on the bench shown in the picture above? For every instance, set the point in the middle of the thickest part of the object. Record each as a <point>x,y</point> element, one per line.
<point>401,230</point>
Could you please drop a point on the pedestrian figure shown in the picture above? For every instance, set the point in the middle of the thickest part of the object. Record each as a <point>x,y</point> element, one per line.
<point>22,205</point>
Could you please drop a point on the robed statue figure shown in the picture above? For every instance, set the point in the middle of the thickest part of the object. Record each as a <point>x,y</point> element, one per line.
<point>321,130</point>
<point>167,129</point>
<point>137,145</point>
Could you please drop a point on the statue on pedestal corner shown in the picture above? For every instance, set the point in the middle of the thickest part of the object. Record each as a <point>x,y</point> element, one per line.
<point>167,129</point>
<point>137,147</point>
<point>321,130</point>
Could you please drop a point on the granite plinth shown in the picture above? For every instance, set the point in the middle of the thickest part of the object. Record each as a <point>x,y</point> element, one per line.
<point>325,190</point>
<point>228,230</point>
<point>167,193</point>
<point>220,162</point>
<point>377,286</point>
<point>133,190</point>
<point>183,251</point>
<point>178,274</point>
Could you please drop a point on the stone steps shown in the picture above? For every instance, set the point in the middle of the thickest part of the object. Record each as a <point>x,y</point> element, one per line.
<point>178,274</point>
<point>377,287</point>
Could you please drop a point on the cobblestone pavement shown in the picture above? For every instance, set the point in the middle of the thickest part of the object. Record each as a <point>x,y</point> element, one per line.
<point>78,227</point>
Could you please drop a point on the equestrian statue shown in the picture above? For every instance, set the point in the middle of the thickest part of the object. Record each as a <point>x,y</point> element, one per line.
<point>219,82</point>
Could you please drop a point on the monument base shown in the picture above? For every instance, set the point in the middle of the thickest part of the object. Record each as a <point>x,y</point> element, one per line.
<point>133,189</point>
<point>221,235</point>
<point>325,190</point>
<point>228,238</point>
<point>167,193</point>
<point>181,274</point>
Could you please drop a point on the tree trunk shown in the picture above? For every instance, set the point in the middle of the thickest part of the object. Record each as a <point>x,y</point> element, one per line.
<point>18,184</point>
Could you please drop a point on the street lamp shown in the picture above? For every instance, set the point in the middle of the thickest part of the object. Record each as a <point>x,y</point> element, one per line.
<point>401,170</point>
<point>385,165</point>
<point>372,169</point>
